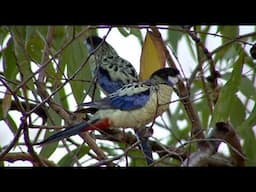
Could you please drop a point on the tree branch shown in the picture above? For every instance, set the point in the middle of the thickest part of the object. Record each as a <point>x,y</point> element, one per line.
<point>196,129</point>
<point>20,156</point>
<point>223,132</point>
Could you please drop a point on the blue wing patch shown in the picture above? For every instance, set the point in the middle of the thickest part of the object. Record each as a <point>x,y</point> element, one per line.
<point>105,82</point>
<point>122,102</point>
<point>130,102</point>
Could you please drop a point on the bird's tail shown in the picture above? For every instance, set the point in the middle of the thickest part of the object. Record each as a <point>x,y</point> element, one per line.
<point>70,131</point>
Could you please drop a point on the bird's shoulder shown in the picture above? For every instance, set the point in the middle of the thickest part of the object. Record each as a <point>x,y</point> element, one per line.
<point>129,97</point>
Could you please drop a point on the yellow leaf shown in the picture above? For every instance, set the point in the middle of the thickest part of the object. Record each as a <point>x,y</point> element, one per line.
<point>152,56</point>
<point>7,100</point>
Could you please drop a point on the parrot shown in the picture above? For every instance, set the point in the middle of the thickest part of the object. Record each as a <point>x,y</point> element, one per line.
<point>111,72</point>
<point>109,69</point>
<point>134,105</point>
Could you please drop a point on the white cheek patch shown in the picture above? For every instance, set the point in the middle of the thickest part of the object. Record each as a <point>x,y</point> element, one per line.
<point>173,80</point>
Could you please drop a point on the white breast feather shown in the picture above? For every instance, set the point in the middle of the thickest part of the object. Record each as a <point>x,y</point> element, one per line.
<point>139,117</point>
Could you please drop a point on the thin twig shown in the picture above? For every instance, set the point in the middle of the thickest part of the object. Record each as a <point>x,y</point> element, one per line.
<point>107,161</point>
<point>20,156</point>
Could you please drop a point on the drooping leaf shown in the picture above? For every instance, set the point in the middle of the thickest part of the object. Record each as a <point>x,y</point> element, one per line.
<point>48,149</point>
<point>9,62</point>
<point>152,56</point>
<point>123,31</point>
<point>227,93</point>
<point>6,104</point>
<point>34,44</point>
<point>53,119</point>
<point>237,111</point>
<point>190,42</point>
<point>74,56</point>
<point>22,59</point>
<point>229,32</point>
<point>247,88</point>
<point>12,123</point>
<point>174,37</point>
<point>248,135</point>
<point>137,158</point>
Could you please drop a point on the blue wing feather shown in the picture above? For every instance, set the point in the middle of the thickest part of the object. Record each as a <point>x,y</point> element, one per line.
<point>122,102</point>
<point>130,102</point>
<point>105,82</point>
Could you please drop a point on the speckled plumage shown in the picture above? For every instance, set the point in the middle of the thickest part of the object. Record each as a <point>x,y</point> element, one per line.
<point>111,70</point>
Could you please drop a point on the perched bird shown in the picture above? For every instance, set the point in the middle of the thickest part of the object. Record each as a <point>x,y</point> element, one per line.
<point>110,70</point>
<point>132,106</point>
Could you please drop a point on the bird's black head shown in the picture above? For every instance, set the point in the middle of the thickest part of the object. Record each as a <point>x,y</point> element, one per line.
<point>92,42</point>
<point>169,76</point>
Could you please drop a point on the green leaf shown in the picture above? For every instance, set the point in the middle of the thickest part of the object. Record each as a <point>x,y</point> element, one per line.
<point>63,98</point>
<point>48,149</point>
<point>23,62</point>
<point>60,36</point>
<point>174,37</point>
<point>69,159</point>
<point>74,56</point>
<point>3,34</point>
<point>226,96</point>
<point>123,31</point>
<point>247,88</point>
<point>137,158</point>
<point>237,111</point>
<point>13,127</point>
<point>248,136</point>
<point>229,32</point>
<point>189,44</point>
<point>9,62</point>
<point>137,33</point>
<point>34,42</point>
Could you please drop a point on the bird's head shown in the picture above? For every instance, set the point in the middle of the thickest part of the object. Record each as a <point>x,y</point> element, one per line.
<point>169,76</point>
<point>92,43</point>
<point>95,43</point>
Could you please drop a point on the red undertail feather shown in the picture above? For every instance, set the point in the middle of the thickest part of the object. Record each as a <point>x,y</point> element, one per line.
<point>101,124</point>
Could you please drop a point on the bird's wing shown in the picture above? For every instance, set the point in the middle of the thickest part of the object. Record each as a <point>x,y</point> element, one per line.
<point>106,83</point>
<point>129,97</point>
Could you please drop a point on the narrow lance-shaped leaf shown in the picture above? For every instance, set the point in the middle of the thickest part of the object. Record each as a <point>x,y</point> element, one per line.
<point>246,131</point>
<point>6,103</point>
<point>152,56</point>
<point>227,93</point>
<point>73,56</point>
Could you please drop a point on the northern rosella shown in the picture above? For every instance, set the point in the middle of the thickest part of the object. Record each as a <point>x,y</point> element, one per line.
<point>132,106</point>
<point>110,70</point>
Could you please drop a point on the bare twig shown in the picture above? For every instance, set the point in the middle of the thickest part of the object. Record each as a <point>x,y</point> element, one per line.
<point>223,132</point>
<point>92,144</point>
<point>214,73</point>
<point>21,109</point>
<point>24,127</point>
<point>20,156</point>
<point>107,161</point>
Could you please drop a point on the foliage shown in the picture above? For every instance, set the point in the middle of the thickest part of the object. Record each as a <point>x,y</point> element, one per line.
<point>45,74</point>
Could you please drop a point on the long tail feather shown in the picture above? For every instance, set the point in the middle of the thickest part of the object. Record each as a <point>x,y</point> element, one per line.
<point>70,131</point>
